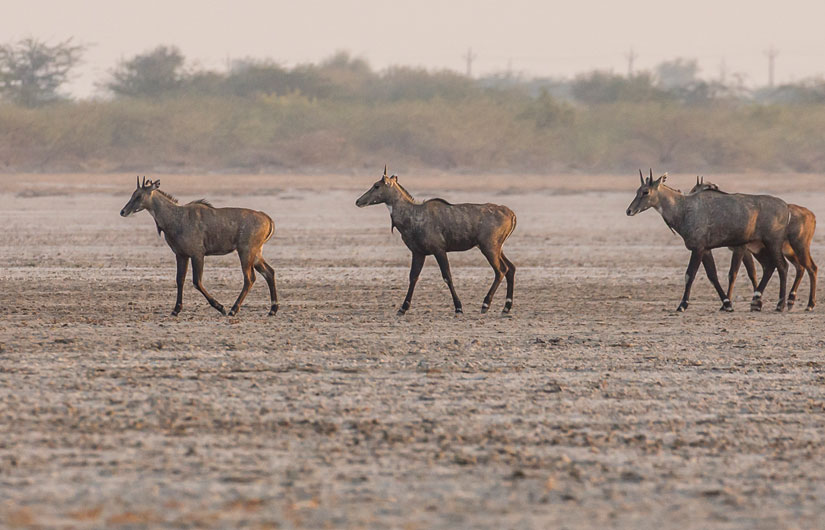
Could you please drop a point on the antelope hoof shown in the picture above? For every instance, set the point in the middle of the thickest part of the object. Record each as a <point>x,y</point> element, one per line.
<point>459,311</point>
<point>810,307</point>
<point>485,307</point>
<point>780,306</point>
<point>682,307</point>
<point>220,308</point>
<point>233,312</point>
<point>505,311</point>
<point>726,306</point>
<point>401,312</point>
<point>273,310</point>
<point>175,311</point>
<point>756,305</point>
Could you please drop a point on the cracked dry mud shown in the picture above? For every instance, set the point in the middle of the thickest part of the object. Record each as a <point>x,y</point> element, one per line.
<point>594,404</point>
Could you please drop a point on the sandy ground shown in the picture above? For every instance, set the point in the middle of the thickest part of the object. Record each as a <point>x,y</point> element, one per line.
<point>594,404</point>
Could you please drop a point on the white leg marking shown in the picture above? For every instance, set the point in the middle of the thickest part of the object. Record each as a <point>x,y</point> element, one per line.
<point>687,277</point>
<point>485,305</point>
<point>509,300</point>
<point>757,294</point>
<point>726,301</point>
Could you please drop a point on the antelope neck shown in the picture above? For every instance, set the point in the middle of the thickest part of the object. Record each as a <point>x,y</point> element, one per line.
<point>670,207</point>
<point>164,211</point>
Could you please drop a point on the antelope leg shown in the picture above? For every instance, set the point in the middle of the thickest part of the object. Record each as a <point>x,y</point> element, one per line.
<point>511,280</point>
<point>782,267</point>
<point>183,264</point>
<point>444,264</point>
<point>269,274</point>
<point>690,275</point>
<point>197,277</point>
<point>248,281</point>
<point>415,270</point>
<point>710,270</point>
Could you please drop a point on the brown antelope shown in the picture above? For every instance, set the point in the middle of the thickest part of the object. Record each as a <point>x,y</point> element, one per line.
<point>712,220</point>
<point>796,248</point>
<point>198,229</point>
<point>436,227</point>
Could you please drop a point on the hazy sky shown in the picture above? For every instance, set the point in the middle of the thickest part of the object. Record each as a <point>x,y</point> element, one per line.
<point>536,38</point>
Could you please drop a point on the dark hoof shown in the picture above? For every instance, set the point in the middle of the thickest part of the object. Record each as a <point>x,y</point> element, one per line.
<point>221,310</point>
<point>780,307</point>
<point>233,312</point>
<point>401,313</point>
<point>175,312</point>
<point>756,305</point>
<point>809,308</point>
<point>726,306</point>
<point>682,307</point>
<point>273,311</point>
<point>505,311</point>
<point>459,311</point>
<point>484,308</point>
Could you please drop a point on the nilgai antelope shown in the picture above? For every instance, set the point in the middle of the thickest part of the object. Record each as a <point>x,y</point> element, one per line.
<point>436,227</point>
<point>198,229</point>
<point>796,248</point>
<point>712,220</point>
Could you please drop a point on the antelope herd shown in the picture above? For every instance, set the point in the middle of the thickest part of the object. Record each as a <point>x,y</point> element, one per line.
<point>751,226</point>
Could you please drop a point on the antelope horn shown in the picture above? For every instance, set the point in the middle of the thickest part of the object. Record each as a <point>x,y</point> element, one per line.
<point>703,179</point>
<point>641,177</point>
<point>697,180</point>
<point>651,176</point>
<point>137,178</point>
<point>385,170</point>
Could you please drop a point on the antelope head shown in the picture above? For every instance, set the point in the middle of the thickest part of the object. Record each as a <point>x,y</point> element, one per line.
<point>647,196</point>
<point>140,197</point>
<point>701,185</point>
<point>378,192</point>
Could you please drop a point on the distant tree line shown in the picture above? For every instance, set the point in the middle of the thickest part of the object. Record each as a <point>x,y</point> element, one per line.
<point>32,73</point>
<point>257,115</point>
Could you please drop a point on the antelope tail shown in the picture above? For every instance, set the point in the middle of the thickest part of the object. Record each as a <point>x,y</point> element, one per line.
<point>271,228</point>
<point>514,226</point>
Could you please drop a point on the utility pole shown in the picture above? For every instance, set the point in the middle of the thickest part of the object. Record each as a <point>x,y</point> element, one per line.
<point>469,57</point>
<point>771,53</point>
<point>631,56</point>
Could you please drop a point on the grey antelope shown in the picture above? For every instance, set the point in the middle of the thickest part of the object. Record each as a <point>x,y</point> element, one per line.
<point>436,227</point>
<point>198,229</point>
<point>796,248</point>
<point>712,220</point>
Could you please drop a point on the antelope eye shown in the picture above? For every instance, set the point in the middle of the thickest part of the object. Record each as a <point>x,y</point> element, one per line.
<point>376,186</point>
<point>646,192</point>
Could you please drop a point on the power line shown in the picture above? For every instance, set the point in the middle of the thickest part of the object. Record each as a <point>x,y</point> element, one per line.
<point>771,54</point>
<point>630,56</point>
<point>469,57</point>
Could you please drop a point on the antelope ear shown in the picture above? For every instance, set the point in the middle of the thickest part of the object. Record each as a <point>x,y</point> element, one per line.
<point>394,178</point>
<point>659,181</point>
<point>156,184</point>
